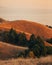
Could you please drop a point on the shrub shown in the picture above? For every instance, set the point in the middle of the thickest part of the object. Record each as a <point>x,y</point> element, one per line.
<point>49,40</point>
<point>49,50</point>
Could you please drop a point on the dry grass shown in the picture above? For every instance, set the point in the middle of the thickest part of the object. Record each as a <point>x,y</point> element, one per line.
<point>21,61</point>
<point>47,44</point>
<point>28,27</point>
<point>10,51</point>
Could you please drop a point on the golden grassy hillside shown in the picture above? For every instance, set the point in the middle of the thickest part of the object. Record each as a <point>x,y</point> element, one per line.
<point>37,61</point>
<point>29,28</point>
<point>9,51</point>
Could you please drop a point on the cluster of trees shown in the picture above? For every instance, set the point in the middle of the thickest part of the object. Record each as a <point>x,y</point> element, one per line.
<point>13,38</point>
<point>49,26</point>
<point>35,44</point>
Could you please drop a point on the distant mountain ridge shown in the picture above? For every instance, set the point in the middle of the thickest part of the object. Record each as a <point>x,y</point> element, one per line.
<point>2,20</point>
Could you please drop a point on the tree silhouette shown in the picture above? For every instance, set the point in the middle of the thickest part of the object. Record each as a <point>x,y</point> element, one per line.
<point>41,44</point>
<point>22,39</point>
<point>49,40</point>
<point>32,41</point>
<point>11,36</point>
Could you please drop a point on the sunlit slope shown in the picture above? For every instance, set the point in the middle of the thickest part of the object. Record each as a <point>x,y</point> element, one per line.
<point>9,51</point>
<point>28,27</point>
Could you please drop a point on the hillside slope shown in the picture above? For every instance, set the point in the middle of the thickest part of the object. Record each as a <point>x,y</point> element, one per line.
<point>2,20</point>
<point>9,51</point>
<point>29,28</point>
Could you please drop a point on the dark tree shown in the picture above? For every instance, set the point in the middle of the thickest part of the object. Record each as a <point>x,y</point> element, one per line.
<point>22,40</point>
<point>49,26</point>
<point>49,50</point>
<point>49,40</point>
<point>32,41</point>
<point>36,50</point>
<point>4,36</point>
<point>41,44</point>
<point>12,36</point>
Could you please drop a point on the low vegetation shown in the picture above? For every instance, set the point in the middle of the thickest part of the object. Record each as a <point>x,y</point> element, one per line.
<point>49,40</point>
<point>36,45</point>
<point>49,26</point>
<point>37,61</point>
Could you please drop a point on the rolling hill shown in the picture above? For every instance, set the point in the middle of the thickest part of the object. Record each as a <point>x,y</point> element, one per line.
<point>2,20</point>
<point>28,27</point>
<point>10,51</point>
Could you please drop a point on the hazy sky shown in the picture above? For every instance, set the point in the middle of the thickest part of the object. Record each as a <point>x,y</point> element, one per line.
<point>35,10</point>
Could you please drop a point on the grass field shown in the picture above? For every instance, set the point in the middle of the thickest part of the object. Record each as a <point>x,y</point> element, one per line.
<point>21,61</point>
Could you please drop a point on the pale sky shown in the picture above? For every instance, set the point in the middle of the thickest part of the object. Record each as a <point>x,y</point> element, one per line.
<point>35,10</point>
<point>23,3</point>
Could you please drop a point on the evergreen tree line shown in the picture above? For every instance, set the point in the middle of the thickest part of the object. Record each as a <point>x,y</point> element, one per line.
<point>35,44</point>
